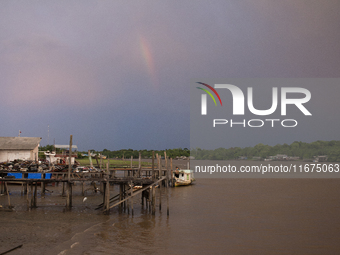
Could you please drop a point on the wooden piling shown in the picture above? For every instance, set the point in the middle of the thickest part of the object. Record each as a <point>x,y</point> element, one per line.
<point>22,189</point>
<point>150,199</point>
<point>35,195</point>
<point>9,199</point>
<point>70,162</point>
<point>27,198</point>
<point>153,165</point>
<point>101,161</point>
<point>69,186</point>
<point>43,185</point>
<point>83,188</point>
<point>171,174</point>
<point>160,196</point>
<point>159,167</point>
<point>113,172</point>
<point>124,204</point>
<point>31,203</point>
<point>120,197</point>
<point>153,200</point>
<point>131,186</point>
<point>166,164</point>
<point>4,190</point>
<point>139,164</point>
<point>90,159</point>
<point>101,184</point>
<point>167,188</point>
<point>143,195</point>
<point>32,196</point>
<point>157,164</point>
<point>128,204</point>
<point>107,190</point>
<point>131,162</point>
<point>70,194</point>
<point>96,157</point>
<point>63,190</point>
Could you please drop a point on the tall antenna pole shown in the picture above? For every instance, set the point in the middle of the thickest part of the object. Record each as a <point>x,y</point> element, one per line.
<point>48,134</point>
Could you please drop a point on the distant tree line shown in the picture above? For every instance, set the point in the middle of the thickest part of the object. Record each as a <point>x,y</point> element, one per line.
<point>262,151</point>
<point>127,153</point>
<point>296,149</point>
<point>48,147</point>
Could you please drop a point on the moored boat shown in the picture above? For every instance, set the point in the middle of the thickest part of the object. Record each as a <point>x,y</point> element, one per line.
<point>183,177</point>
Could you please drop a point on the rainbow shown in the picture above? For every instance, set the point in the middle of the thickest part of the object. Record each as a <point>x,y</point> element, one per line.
<point>148,59</point>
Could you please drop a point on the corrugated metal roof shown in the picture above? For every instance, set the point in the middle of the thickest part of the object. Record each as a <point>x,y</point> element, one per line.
<point>19,143</point>
<point>66,146</point>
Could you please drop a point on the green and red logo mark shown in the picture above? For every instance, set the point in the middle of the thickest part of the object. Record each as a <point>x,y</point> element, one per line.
<point>204,97</point>
<point>212,89</point>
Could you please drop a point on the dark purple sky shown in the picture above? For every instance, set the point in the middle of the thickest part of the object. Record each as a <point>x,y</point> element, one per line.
<point>116,74</point>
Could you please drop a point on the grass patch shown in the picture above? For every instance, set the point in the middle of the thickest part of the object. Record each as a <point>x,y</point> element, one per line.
<point>113,163</point>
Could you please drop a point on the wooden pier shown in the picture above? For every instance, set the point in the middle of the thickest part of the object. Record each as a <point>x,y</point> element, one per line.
<point>147,179</point>
<point>127,178</point>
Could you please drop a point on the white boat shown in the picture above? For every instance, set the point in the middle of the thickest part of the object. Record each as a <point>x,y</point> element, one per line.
<point>183,177</point>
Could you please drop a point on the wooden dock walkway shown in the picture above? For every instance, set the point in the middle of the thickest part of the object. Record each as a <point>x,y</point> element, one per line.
<point>147,179</point>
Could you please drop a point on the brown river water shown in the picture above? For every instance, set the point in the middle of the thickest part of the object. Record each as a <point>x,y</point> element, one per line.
<point>214,216</point>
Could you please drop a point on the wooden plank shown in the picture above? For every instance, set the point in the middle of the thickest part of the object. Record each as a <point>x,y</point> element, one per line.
<point>136,193</point>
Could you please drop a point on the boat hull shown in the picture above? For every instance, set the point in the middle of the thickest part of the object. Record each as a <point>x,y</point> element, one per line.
<point>183,183</point>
